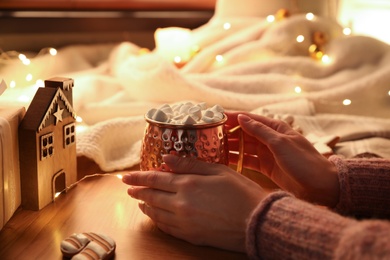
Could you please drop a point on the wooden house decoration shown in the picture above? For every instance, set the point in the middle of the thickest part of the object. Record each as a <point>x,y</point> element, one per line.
<point>47,144</point>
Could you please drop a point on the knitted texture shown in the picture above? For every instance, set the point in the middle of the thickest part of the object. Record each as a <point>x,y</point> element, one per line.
<point>364,187</point>
<point>101,144</point>
<point>368,239</point>
<point>283,227</point>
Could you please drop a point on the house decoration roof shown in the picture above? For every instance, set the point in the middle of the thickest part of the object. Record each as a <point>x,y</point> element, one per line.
<point>44,105</point>
<point>49,111</point>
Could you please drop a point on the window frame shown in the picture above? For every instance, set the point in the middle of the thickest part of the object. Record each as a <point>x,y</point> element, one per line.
<point>49,147</point>
<point>71,135</point>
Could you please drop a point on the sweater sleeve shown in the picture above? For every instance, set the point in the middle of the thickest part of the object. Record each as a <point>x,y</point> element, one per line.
<point>283,227</point>
<point>364,187</point>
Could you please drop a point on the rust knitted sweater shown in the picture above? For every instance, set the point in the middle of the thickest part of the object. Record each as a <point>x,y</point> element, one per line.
<point>283,227</point>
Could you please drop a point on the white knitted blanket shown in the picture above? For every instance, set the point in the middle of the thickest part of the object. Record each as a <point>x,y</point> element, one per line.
<point>262,65</point>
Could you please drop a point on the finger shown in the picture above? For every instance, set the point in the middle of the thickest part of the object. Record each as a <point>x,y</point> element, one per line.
<point>171,230</point>
<point>158,215</point>
<point>262,129</point>
<point>232,121</point>
<point>153,197</point>
<point>265,126</point>
<point>165,181</point>
<point>190,165</point>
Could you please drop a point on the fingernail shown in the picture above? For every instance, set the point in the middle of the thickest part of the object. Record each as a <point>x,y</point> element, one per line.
<point>243,118</point>
<point>126,178</point>
<point>170,158</point>
<point>130,191</point>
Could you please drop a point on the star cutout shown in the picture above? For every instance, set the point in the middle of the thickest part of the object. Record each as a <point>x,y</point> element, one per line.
<point>58,114</point>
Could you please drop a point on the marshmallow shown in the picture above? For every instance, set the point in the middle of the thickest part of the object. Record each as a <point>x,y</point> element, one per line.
<point>166,109</point>
<point>160,116</point>
<point>186,114</point>
<point>188,120</point>
<point>202,105</point>
<point>217,108</point>
<point>151,112</point>
<point>208,113</point>
<point>218,116</point>
<point>178,117</point>
<point>207,119</point>
<point>176,107</point>
<point>195,112</point>
<point>184,109</point>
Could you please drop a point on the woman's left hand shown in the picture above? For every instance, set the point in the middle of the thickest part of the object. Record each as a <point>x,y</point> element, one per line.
<point>202,203</point>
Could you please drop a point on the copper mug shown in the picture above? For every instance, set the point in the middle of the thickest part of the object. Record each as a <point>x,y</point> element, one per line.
<point>206,142</point>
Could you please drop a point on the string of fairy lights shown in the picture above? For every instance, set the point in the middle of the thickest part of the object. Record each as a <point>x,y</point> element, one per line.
<point>28,76</point>
<point>316,51</point>
<point>118,175</point>
<point>8,57</point>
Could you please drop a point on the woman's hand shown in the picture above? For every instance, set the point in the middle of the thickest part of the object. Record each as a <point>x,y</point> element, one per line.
<point>202,203</point>
<point>273,148</point>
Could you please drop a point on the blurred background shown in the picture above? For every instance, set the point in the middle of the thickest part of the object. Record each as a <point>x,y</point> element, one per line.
<point>30,25</point>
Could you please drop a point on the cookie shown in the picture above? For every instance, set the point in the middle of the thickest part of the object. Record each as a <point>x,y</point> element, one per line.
<point>89,246</point>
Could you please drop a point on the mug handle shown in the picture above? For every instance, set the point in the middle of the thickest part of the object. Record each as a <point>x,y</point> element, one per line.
<point>240,161</point>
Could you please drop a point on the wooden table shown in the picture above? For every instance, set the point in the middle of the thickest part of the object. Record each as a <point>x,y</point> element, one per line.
<point>99,204</point>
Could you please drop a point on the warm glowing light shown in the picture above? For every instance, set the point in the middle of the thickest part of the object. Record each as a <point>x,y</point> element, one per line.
<point>79,119</point>
<point>325,59</point>
<point>119,176</point>
<point>298,89</point>
<point>309,16</point>
<point>22,57</point>
<point>40,83</point>
<point>174,42</point>
<point>365,17</point>
<point>313,48</point>
<point>227,26</point>
<point>300,38</point>
<point>143,51</point>
<point>177,59</point>
<point>219,58</point>
<point>53,52</point>
<point>57,194</point>
<point>389,93</point>
<point>23,98</point>
<point>319,55</point>
<point>29,77</point>
<point>347,102</point>
<point>12,84</point>
<point>26,61</point>
<point>270,18</point>
<point>81,128</point>
<point>347,31</point>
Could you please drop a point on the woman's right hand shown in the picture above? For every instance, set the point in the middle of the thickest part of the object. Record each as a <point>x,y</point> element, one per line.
<point>273,148</point>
